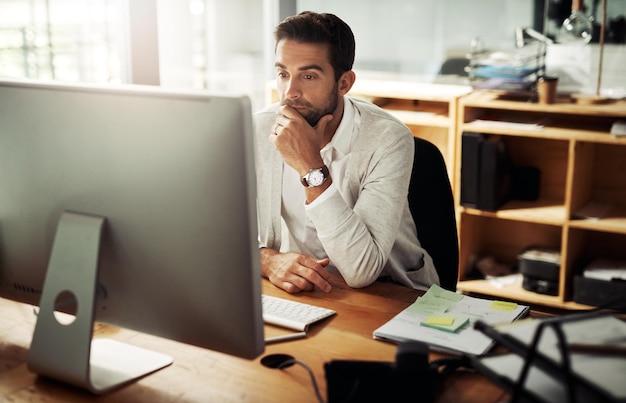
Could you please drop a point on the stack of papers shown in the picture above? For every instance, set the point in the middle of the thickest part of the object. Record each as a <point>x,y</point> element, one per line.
<point>618,129</point>
<point>444,320</point>
<point>606,269</point>
<point>510,125</point>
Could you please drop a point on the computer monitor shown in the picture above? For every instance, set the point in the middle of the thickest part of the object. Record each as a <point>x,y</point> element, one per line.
<point>140,205</point>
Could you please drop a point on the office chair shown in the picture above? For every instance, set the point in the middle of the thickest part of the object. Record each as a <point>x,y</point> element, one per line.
<point>455,65</point>
<point>432,206</point>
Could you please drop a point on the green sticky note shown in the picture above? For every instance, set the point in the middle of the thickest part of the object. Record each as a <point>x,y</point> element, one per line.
<point>503,305</point>
<point>442,296</point>
<point>424,307</point>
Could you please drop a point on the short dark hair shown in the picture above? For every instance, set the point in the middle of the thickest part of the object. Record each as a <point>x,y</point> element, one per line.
<point>311,27</point>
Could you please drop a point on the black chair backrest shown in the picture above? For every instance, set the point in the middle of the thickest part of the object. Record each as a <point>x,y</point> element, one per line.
<point>432,206</point>
<point>455,65</point>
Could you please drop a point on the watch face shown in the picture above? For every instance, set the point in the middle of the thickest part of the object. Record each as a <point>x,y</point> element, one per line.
<point>315,178</point>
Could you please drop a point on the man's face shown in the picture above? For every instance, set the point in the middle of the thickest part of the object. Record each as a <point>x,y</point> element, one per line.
<point>305,79</point>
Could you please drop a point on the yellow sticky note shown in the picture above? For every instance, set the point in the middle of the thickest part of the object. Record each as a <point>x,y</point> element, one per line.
<point>446,322</point>
<point>503,305</point>
<point>440,320</point>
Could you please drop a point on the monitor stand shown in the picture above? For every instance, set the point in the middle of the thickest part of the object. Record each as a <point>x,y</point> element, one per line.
<point>65,351</point>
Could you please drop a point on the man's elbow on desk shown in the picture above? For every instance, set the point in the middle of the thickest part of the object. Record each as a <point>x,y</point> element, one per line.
<point>360,273</point>
<point>358,281</point>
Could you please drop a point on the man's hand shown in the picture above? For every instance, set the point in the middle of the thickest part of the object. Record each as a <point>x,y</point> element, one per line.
<point>297,142</point>
<point>295,272</point>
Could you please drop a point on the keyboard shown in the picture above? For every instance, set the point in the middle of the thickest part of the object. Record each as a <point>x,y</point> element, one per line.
<point>292,314</point>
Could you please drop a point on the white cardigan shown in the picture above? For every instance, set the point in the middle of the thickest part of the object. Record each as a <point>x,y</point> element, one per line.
<point>375,238</point>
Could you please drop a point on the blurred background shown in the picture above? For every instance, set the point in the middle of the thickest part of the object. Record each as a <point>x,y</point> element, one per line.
<point>228,45</point>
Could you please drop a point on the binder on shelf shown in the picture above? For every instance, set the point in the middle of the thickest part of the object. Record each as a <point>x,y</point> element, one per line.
<point>485,171</point>
<point>470,150</point>
<point>494,175</point>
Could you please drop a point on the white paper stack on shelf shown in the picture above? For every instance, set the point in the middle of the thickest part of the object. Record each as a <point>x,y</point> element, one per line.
<point>618,129</point>
<point>515,69</point>
<point>606,269</point>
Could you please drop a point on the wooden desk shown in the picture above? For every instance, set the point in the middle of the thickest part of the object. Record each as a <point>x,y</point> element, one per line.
<point>200,375</point>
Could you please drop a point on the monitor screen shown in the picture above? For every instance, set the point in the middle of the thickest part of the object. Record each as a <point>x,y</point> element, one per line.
<point>171,173</point>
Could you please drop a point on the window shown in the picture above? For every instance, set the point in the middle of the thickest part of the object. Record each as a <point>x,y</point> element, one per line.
<point>201,44</point>
<point>213,44</point>
<point>68,40</point>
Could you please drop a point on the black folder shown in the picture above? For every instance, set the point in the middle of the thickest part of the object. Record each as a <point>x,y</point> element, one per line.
<point>485,171</point>
<point>470,168</point>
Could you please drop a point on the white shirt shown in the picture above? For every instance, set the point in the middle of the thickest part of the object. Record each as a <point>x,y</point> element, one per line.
<point>299,233</point>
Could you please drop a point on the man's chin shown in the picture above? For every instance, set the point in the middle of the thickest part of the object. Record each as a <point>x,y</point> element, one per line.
<point>312,121</point>
<point>310,116</point>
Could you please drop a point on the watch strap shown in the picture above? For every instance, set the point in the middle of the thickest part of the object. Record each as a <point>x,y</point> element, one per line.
<point>323,169</point>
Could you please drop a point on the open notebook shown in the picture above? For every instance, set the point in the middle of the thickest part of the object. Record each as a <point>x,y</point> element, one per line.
<point>444,320</point>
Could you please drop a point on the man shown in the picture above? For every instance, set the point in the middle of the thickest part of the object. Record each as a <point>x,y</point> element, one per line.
<point>332,171</point>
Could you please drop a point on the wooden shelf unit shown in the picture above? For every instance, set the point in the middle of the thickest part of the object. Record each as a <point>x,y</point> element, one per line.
<point>580,163</point>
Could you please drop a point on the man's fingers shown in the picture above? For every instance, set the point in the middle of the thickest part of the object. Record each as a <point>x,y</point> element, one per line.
<point>316,274</point>
<point>320,127</point>
<point>296,272</point>
<point>286,112</point>
<point>310,273</point>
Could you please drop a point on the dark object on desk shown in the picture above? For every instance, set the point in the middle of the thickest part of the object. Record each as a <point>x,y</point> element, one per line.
<point>432,206</point>
<point>600,293</point>
<point>540,268</point>
<point>282,361</point>
<point>411,378</point>
<point>277,361</point>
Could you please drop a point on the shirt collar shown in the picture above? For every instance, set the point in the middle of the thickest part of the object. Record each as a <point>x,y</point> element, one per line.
<point>342,139</point>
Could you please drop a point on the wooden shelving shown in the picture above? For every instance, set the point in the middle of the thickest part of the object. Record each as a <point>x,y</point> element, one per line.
<point>580,163</point>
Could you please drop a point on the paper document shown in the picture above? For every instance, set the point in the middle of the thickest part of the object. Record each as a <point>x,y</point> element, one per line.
<point>510,125</point>
<point>606,269</point>
<point>428,320</point>
<point>599,376</point>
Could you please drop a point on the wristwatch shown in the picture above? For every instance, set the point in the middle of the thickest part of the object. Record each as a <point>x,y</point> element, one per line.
<point>315,177</point>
